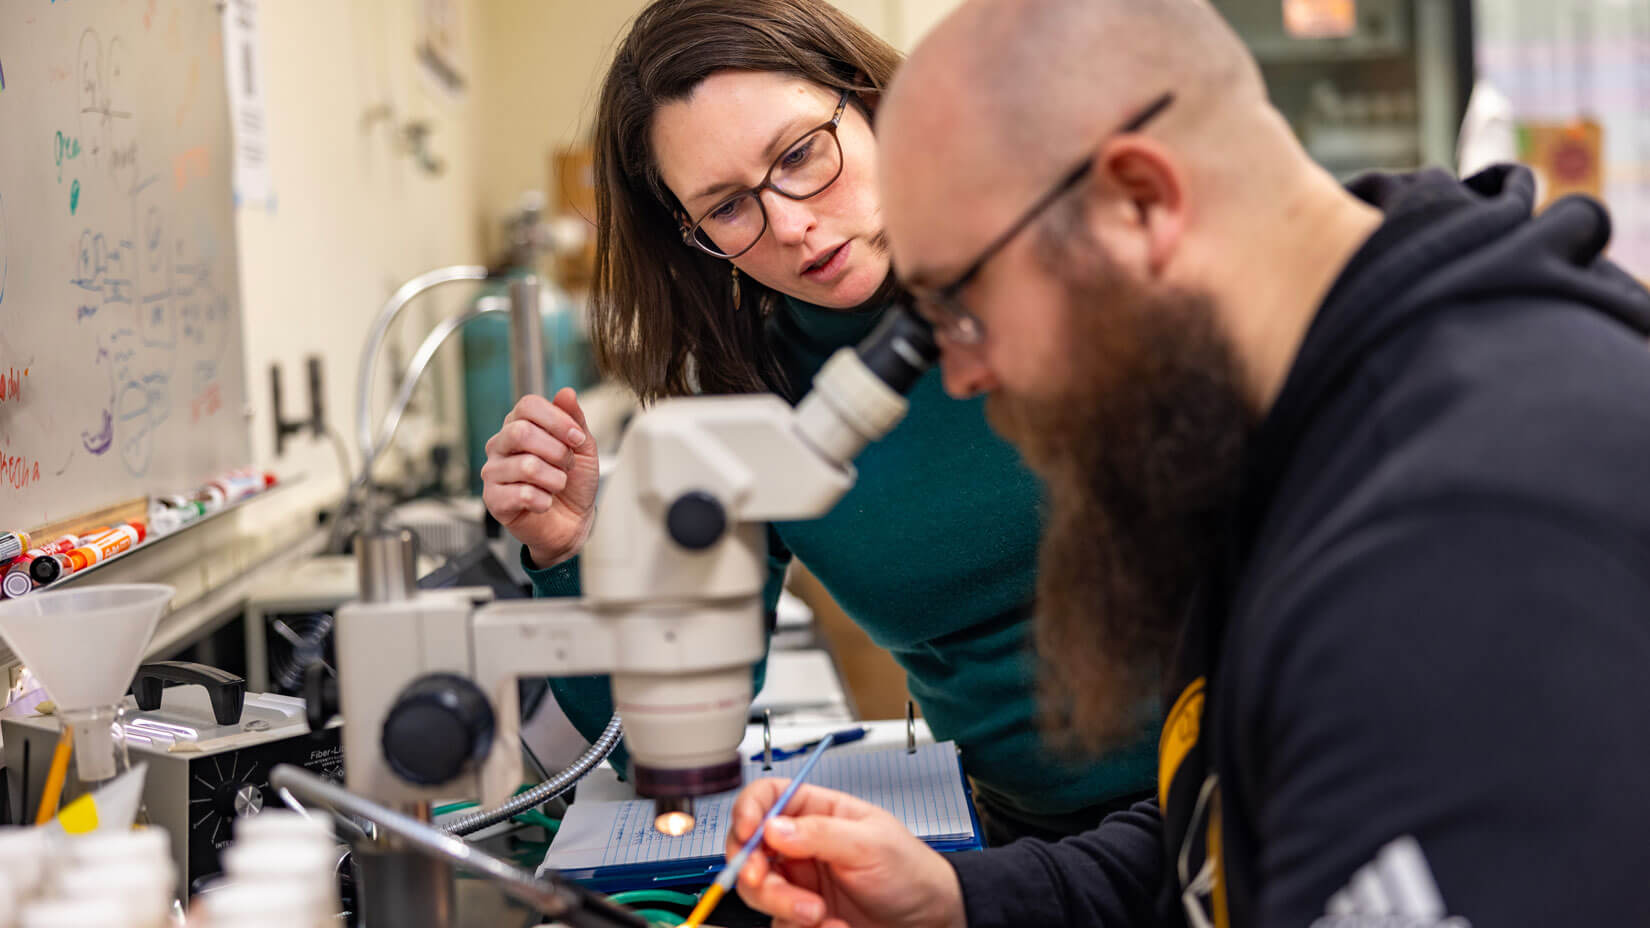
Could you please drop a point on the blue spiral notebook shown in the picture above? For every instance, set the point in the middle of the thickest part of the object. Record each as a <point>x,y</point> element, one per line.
<point>612,846</point>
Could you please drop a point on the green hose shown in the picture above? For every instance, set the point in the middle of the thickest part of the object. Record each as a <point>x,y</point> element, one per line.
<point>666,896</point>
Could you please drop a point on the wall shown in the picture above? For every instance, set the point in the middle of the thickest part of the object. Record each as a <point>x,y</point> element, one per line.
<point>1557,61</point>
<point>353,218</point>
<point>542,63</point>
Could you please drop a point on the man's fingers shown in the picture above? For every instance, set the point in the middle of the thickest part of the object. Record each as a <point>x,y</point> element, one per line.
<point>749,808</point>
<point>783,900</point>
<point>803,874</point>
<point>755,869</point>
<point>760,796</point>
<point>831,840</point>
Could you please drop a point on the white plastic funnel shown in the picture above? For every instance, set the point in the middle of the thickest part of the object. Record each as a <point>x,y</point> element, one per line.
<point>85,644</point>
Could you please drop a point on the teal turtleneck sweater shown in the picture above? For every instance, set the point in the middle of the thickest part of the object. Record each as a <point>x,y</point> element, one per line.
<point>933,552</point>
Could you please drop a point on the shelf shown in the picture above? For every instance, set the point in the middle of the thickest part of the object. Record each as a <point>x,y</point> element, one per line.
<point>151,542</point>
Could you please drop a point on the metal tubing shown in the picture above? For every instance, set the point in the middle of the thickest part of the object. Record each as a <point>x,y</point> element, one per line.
<point>387,315</point>
<point>549,895</point>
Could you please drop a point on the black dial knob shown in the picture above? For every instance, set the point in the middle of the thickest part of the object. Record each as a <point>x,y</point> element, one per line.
<point>696,520</point>
<point>235,798</point>
<point>440,725</point>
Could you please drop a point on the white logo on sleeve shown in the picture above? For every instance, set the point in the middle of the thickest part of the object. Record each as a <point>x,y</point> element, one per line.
<point>1395,890</point>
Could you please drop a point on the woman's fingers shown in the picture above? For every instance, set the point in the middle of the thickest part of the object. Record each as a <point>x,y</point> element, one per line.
<point>568,401</point>
<point>508,501</point>
<point>524,469</point>
<point>524,436</point>
<point>555,420</point>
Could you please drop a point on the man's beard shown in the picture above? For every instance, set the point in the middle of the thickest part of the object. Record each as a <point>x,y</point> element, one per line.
<point>1142,457</point>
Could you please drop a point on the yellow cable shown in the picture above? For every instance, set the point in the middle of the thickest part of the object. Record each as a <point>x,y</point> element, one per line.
<point>54,779</point>
<point>702,911</point>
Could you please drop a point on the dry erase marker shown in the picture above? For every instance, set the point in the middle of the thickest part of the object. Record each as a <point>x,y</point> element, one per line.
<point>51,567</point>
<point>20,578</point>
<point>17,583</point>
<point>12,544</point>
<point>48,569</point>
<point>103,547</point>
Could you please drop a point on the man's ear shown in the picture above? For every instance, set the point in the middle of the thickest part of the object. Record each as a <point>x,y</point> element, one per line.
<point>1149,182</point>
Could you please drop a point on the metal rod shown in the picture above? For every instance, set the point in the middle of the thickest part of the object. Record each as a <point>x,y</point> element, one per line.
<point>549,895</point>
<point>526,337</point>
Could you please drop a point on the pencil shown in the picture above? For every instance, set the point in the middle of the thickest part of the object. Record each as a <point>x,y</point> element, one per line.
<point>730,873</point>
<point>58,772</point>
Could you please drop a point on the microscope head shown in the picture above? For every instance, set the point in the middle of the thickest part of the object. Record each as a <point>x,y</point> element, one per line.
<point>684,729</point>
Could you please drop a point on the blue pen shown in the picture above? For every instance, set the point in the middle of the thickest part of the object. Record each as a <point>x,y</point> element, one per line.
<point>845,736</point>
<point>730,873</point>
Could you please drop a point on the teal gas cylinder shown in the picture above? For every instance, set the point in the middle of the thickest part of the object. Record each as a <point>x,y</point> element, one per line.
<point>488,396</point>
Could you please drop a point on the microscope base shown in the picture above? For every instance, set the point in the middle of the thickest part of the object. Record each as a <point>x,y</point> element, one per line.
<point>404,889</point>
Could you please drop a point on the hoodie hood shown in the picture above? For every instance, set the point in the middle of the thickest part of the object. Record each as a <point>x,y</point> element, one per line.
<point>1445,244</point>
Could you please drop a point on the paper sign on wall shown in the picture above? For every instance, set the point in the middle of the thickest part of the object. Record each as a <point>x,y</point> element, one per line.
<point>249,115</point>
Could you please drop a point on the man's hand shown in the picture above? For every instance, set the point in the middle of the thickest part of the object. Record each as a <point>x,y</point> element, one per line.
<point>833,861</point>
<point>540,477</point>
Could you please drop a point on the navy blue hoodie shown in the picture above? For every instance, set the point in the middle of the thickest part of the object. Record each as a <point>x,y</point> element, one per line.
<point>1417,693</point>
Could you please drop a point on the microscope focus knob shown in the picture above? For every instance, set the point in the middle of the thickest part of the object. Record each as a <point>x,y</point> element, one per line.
<point>696,520</point>
<point>440,725</point>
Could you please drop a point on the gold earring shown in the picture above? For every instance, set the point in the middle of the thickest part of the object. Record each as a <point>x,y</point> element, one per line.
<point>735,288</point>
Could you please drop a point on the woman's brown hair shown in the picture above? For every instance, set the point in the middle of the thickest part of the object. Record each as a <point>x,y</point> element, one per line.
<point>663,316</point>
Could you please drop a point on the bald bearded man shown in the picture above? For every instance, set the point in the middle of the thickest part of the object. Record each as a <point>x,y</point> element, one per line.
<point>1360,474</point>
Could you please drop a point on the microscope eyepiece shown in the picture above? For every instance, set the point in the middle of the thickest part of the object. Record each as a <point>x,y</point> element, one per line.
<point>900,349</point>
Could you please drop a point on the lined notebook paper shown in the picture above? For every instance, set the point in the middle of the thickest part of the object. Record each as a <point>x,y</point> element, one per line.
<point>924,790</point>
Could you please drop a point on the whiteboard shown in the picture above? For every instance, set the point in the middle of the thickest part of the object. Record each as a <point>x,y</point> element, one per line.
<point>121,370</point>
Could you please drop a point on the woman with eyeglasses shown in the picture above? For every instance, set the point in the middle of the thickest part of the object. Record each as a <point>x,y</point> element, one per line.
<point>739,244</point>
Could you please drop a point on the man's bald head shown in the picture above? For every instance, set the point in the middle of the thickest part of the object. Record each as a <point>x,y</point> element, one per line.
<point>1032,83</point>
<point>1051,75</point>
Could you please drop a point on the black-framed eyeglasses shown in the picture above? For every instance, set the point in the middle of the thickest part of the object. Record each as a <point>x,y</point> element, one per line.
<point>943,305</point>
<point>806,167</point>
